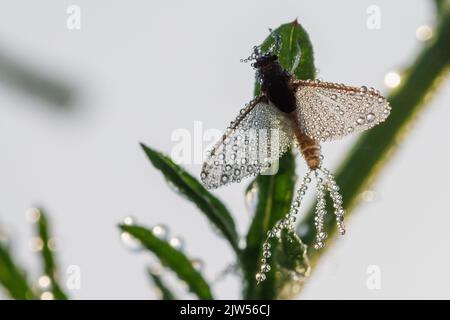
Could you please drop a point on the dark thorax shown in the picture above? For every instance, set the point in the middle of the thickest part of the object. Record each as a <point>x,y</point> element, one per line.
<point>275,83</point>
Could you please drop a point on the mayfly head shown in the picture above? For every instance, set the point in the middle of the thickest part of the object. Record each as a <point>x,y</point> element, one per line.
<point>263,59</point>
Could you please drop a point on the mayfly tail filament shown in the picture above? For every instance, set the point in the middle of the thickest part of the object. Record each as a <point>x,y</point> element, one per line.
<point>324,182</point>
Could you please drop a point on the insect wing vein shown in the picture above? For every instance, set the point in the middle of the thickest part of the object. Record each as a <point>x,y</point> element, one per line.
<point>329,111</point>
<point>250,146</point>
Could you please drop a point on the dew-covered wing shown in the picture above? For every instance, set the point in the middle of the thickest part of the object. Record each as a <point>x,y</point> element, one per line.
<point>251,145</point>
<point>328,111</point>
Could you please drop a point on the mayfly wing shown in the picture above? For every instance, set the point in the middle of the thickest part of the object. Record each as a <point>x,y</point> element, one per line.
<point>251,144</point>
<point>329,111</point>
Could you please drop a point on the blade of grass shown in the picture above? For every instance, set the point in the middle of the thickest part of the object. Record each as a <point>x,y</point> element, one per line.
<point>171,258</point>
<point>12,278</point>
<point>47,257</point>
<point>292,260</point>
<point>274,199</point>
<point>165,292</point>
<point>190,187</point>
<point>275,192</point>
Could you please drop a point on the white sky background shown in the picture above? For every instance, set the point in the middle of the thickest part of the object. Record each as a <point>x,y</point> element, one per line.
<point>146,68</point>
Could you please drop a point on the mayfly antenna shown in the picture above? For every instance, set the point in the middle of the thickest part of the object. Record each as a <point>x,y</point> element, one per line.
<point>255,54</point>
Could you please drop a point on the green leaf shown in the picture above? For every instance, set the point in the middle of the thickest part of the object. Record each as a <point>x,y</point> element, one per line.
<point>171,258</point>
<point>190,187</point>
<point>441,6</point>
<point>294,41</point>
<point>47,256</point>
<point>12,278</point>
<point>275,192</point>
<point>290,255</point>
<point>274,199</point>
<point>165,292</point>
<point>372,150</point>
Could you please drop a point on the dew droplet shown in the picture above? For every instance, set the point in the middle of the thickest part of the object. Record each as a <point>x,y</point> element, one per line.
<point>360,120</point>
<point>260,277</point>
<point>319,245</point>
<point>33,215</point>
<point>322,235</point>
<point>370,117</point>
<point>36,244</point>
<point>128,220</point>
<point>47,295</point>
<point>130,242</point>
<point>369,195</point>
<point>160,231</point>
<point>224,178</point>
<point>197,264</point>
<point>265,268</point>
<point>176,243</point>
<point>52,244</point>
<point>44,282</point>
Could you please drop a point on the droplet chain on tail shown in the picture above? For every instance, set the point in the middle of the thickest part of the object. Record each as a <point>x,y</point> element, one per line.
<point>324,182</point>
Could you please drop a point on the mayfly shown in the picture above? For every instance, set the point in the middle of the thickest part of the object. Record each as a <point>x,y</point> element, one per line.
<point>305,112</point>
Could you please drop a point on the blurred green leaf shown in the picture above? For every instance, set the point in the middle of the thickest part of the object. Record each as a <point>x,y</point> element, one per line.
<point>441,6</point>
<point>190,187</point>
<point>274,199</point>
<point>166,293</point>
<point>290,255</point>
<point>275,192</point>
<point>12,278</point>
<point>372,150</point>
<point>47,256</point>
<point>171,258</point>
<point>43,85</point>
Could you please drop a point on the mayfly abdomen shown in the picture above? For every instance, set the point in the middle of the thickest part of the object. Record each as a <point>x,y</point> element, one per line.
<point>309,148</point>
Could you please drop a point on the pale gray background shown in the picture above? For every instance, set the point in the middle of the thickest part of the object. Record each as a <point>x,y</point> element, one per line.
<point>145,68</point>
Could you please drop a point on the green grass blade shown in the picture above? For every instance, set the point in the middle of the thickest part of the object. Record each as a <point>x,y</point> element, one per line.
<point>274,199</point>
<point>291,258</point>
<point>47,257</point>
<point>12,278</point>
<point>164,291</point>
<point>190,187</point>
<point>275,192</point>
<point>372,150</point>
<point>294,40</point>
<point>172,259</point>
